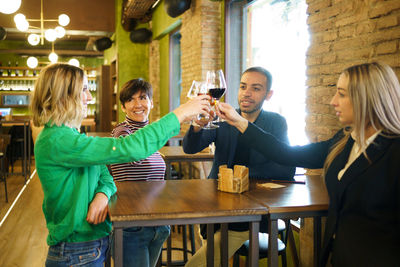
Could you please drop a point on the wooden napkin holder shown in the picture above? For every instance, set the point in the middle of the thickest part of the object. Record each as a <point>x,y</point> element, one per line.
<point>233,181</point>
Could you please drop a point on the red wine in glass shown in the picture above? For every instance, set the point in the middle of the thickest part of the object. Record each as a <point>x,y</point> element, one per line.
<point>216,93</point>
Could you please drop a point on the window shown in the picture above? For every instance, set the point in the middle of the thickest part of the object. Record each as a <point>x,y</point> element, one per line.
<point>274,35</point>
<point>175,74</point>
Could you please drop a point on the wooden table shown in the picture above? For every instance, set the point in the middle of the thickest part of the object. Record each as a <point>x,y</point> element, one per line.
<point>292,201</point>
<point>88,125</point>
<point>175,154</point>
<point>177,202</point>
<point>176,140</point>
<point>26,157</point>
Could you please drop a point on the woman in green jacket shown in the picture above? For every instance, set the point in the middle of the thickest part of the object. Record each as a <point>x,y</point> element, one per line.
<point>71,166</point>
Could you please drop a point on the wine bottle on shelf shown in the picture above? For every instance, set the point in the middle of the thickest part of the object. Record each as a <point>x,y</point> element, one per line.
<point>16,71</point>
<point>9,70</point>
<point>1,70</point>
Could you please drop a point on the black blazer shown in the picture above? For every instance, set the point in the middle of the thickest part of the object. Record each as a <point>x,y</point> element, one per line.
<point>363,224</point>
<point>225,138</point>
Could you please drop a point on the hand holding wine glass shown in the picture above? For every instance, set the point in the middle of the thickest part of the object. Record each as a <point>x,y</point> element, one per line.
<point>192,108</point>
<point>216,85</point>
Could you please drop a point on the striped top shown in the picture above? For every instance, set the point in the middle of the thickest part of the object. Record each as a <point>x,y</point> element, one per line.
<point>149,169</point>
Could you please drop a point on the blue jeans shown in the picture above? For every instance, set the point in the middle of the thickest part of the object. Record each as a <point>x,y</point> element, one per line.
<point>142,245</point>
<point>89,254</point>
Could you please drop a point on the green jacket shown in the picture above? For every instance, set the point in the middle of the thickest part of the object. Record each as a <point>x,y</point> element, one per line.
<point>71,169</point>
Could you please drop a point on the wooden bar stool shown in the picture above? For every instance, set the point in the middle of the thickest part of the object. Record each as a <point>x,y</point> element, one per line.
<point>263,245</point>
<point>4,142</point>
<point>184,248</point>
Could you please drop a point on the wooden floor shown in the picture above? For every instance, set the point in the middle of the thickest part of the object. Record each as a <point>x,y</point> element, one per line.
<point>23,233</point>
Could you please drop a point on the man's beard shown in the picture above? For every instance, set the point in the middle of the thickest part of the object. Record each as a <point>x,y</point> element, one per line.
<point>255,109</point>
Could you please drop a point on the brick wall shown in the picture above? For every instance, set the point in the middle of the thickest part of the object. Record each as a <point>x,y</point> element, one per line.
<point>344,33</point>
<point>201,51</point>
<point>154,78</point>
<point>200,43</point>
<point>200,46</point>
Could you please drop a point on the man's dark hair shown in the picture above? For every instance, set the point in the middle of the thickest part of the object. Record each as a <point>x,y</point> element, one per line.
<point>262,71</point>
<point>132,87</point>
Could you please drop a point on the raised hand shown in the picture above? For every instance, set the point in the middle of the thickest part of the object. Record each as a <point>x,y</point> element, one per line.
<point>195,106</point>
<point>229,114</point>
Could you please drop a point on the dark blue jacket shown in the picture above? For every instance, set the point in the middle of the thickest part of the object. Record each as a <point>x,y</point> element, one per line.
<point>260,167</point>
<point>225,138</point>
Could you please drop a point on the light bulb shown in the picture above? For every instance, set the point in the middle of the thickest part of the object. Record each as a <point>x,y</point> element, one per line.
<point>19,17</point>
<point>50,35</point>
<point>63,20</point>
<point>9,6</point>
<point>32,62</point>
<point>74,62</point>
<point>60,31</point>
<point>22,25</point>
<point>53,57</point>
<point>33,39</point>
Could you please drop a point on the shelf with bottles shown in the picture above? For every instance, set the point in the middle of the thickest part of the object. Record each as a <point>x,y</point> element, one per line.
<point>92,85</point>
<point>91,73</point>
<point>27,72</point>
<point>17,84</point>
<point>16,73</point>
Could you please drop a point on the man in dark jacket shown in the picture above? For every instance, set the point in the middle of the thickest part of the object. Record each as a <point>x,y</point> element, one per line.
<point>230,149</point>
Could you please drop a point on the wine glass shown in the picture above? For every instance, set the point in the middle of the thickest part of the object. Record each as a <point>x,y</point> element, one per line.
<point>194,90</point>
<point>203,90</point>
<point>216,86</point>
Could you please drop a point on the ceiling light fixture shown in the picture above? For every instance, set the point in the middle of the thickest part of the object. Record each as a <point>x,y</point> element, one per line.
<point>53,57</point>
<point>50,35</point>
<point>9,6</point>
<point>32,62</point>
<point>74,62</point>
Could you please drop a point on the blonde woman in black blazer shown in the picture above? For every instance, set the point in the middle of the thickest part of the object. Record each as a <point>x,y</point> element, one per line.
<point>361,166</point>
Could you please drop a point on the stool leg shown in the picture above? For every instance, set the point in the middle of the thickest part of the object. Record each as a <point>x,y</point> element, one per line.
<point>184,243</point>
<point>235,260</point>
<point>192,240</point>
<point>4,174</point>
<point>169,247</point>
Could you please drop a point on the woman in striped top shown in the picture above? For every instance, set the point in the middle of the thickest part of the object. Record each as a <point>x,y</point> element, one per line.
<point>142,245</point>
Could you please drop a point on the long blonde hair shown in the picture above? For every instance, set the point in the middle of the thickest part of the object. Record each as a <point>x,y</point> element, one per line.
<point>57,97</point>
<point>374,92</point>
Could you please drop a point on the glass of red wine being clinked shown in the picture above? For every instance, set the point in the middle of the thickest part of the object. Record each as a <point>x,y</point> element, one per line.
<point>216,86</point>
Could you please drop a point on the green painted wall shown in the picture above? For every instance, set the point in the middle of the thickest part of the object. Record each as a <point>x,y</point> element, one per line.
<point>162,25</point>
<point>133,59</point>
<point>111,53</point>
<point>162,22</point>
